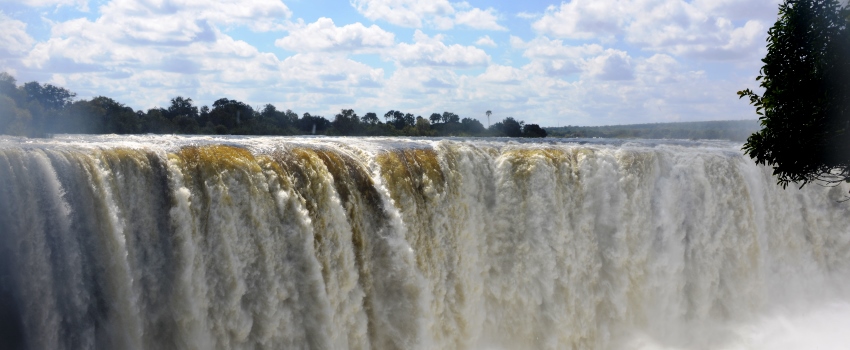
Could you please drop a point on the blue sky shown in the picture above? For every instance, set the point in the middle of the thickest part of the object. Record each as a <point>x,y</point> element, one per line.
<point>581,62</point>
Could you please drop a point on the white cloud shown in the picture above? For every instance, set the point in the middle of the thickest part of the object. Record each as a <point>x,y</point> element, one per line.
<point>182,18</point>
<point>431,51</point>
<point>701,29</point>
<point>485,41</point>
<point>322,70</point>
<point>14,40</point>
<point>439,14</point>
<point>143,54</point>
<point>83,5</point>
<point>405,13</point>
<point>502,75</point>
<point>528,15</point>
<point>479,19</point>
<point>583,19</point>
<point>323,35</point>
<point>612,65</point>
<point>423,80</point>
<point>553,58</point>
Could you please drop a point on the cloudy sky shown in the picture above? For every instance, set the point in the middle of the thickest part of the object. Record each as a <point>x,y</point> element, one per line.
<point>581,62</point>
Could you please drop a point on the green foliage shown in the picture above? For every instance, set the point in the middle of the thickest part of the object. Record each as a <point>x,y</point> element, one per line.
<point>346,122</point>
<point>370,118</point>
<point>533,130</point>
<point>509,127</point>
<point>13,120</point>
<point>805,108</point>
<point>471,126</point>
<point>449,117</point>
<point>39,110</point>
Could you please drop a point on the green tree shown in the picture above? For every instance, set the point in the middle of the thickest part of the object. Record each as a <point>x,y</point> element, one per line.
<point>234,115</point>
<point>49,96</point>
<point>533,130</point>
<point>182,106</point>
<point>308,123</point>
<point>805,107</point>
<point>346,122</point>
<point>115,117</point>
<point>449,117</point>
<point>471,126</point>
<point>509,127</point>
<point>423,127</point>
<point>370,118</point>
<point>13,120</point>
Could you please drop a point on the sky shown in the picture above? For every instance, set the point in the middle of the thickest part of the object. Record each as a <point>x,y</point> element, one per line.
<point>579,62</point>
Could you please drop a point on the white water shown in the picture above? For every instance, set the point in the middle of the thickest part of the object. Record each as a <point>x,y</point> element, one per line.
<point>156,242</point>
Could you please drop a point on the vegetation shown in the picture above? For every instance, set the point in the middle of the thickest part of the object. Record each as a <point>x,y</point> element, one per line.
<point>804,107</point>
<point>733,130</point>
<point>37,110</point>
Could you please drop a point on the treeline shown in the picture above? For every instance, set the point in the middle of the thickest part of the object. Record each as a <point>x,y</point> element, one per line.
<point>36,110</point>
<point>733,130</point>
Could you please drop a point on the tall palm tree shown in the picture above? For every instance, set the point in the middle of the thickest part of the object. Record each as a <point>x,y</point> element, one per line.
<point>488,113</point>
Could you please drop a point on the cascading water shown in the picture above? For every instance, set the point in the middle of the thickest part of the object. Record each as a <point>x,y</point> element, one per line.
<point>158,242</point>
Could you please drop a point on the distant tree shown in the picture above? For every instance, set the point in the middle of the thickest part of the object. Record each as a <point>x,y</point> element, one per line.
<point>435,118</point>
<point>399,121</point>
<point>232,114</point>
<point>533,130</point>
<point>471,126</point>
<point>9,87</point>
<point>107,116</point>
<point>423,127</point>
<point>50,97</point>
<point>409,119</point>
<point>291,116</point>
<point>805,107</point>
<point>488,113</point>
<point>181,106</point>
<point>508,127</point>
<point>308,122</point>
<point>370,118</point>
<point>449,117</point>
<point>346,122</point>
<point>44,103</point>
<point>13,120</point>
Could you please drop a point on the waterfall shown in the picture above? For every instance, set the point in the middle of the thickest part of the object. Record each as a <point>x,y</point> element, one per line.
<point>169,242</point>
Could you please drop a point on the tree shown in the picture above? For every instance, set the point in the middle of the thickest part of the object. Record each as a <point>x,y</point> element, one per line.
<point>488,113</point>
<point>370,118</point>
<point>346,122</point>
<point>449,117</point>
<point>308,123</point>
<point>423,127</point>
<point>435,118</point>
<point>9,87</point>
<point>471,126</point>
<point>508,127</point>
<point>13,120</point>
<point>232,114</point>
<point>182,106</point>
<point>805,107</point>
<point>399,119</point>
<point>49,96</point>
<point>533,130</point>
